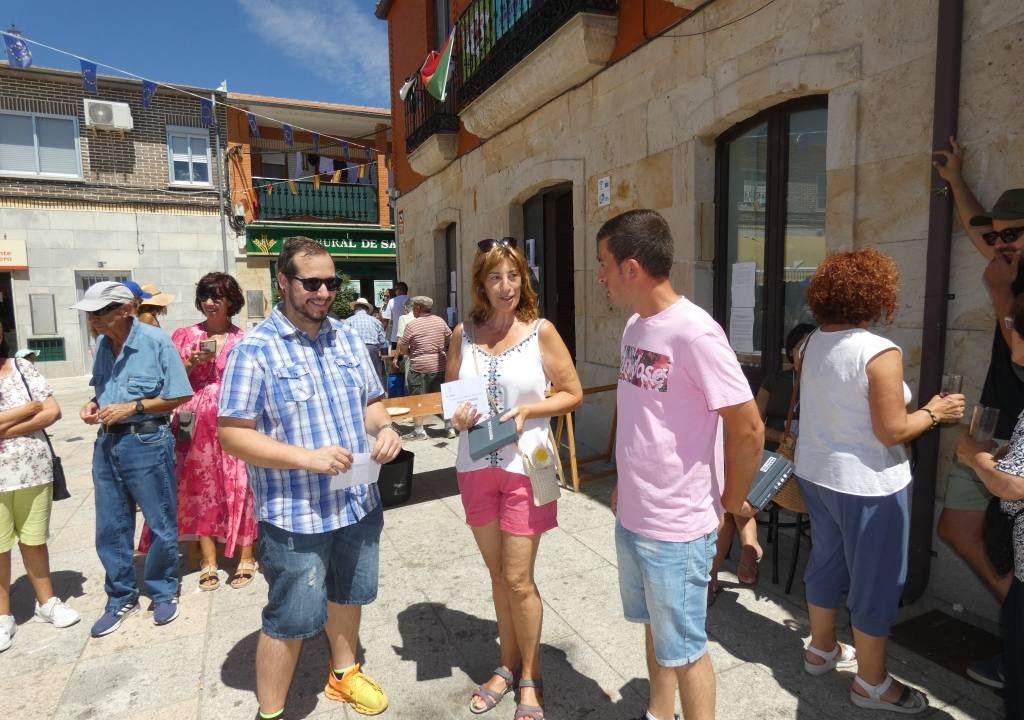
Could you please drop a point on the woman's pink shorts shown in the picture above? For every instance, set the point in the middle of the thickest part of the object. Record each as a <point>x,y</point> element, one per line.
<point>495,494</point>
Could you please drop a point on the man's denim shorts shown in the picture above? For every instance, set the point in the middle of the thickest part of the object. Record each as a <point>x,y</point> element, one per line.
<point>305,572</point>
<point>665,584</point>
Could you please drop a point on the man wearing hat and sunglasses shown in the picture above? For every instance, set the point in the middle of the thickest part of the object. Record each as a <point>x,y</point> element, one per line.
<point>138,379</point>
<point>999,236</point>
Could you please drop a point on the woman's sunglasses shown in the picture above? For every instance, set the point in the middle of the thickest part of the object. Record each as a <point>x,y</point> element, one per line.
<point>489,244</point>
<point>313,284</point>
<point>106,310</point>
<point>1008,235</point>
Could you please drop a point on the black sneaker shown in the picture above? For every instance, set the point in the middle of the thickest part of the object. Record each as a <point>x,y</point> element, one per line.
<point>988,671</point>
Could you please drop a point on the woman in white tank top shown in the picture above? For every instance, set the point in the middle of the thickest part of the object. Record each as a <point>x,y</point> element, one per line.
<point>519,356</point>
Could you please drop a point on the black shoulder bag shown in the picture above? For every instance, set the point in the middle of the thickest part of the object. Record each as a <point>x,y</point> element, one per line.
<point>60,483</point>
<point>998,536</point>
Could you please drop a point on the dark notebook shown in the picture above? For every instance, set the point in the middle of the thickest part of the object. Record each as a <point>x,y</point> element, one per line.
<point>490,435</point>
<point>774,471</point>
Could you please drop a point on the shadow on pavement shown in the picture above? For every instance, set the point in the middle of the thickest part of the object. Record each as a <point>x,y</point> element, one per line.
<point>66,584</point>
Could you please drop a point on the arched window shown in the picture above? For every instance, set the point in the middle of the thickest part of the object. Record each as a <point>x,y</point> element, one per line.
<point>770,198</point>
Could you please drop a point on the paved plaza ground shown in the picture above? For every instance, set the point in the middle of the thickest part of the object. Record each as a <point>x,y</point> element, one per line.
<point>431,635</point>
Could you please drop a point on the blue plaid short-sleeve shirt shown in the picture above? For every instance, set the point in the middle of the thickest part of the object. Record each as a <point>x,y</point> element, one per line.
<point>310,392</point>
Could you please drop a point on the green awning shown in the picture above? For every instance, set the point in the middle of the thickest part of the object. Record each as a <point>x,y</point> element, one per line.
<point>266,239</point>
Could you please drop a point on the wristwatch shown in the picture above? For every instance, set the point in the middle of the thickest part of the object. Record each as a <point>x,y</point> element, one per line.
<point>139,409</point>
<point>390,426</point>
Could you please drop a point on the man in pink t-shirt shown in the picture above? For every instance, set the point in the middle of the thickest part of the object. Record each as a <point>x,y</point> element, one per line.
<point>678,378</point>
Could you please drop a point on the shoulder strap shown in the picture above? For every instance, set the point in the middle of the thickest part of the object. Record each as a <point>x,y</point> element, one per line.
<point>798,362</point>
<point>14,363</point>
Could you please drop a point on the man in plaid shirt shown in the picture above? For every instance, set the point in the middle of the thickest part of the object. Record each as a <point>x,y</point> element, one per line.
<point>298,398</point>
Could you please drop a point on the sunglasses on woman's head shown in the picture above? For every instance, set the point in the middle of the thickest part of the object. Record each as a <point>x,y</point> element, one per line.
<point>1008,235</point>
<point>105,310</point>
<point>313,284</point>
<point>489,244</point>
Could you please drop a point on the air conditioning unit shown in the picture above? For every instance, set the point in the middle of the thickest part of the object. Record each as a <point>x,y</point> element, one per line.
<point>107,115</point>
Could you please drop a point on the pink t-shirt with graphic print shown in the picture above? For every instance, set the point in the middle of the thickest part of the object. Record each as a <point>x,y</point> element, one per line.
<point>676,371</point>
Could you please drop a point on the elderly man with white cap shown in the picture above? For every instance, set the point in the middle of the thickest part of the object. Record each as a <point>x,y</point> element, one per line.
<point>371,331</point>
<point>138,379</point>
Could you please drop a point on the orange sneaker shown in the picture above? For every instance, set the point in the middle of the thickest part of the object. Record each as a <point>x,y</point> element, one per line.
<point>358,690</point>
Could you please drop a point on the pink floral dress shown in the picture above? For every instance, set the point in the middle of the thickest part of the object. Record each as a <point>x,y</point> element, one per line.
<point>214,498</point>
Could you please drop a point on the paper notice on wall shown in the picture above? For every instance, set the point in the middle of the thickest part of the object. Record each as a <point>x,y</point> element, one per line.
<point>453,280</point>
<point>741,329</point>
<point>744,275</point>
<point>451,317</point>
<point>604,191</point>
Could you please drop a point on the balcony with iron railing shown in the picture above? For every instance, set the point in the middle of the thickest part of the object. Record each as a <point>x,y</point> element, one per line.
<point>430,130</point>
<point>565,42</point>
<point>335,202</point>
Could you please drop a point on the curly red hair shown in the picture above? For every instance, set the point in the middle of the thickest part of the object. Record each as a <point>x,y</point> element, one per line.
<point>854,287</point>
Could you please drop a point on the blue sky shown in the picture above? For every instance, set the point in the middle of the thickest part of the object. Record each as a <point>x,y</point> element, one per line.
<point>330,50</point>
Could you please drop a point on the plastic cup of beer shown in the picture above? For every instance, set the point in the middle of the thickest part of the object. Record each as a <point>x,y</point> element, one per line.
<point>951,384</point>
<point>983,422</point>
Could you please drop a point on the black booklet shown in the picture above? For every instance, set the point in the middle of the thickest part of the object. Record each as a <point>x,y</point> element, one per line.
<point>490,435</point>
<point>772,474</point>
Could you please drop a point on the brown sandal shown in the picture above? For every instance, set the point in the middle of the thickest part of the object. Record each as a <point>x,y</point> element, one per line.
<point>751,569</point>
<point>243,575</point>
<point>209,579</point>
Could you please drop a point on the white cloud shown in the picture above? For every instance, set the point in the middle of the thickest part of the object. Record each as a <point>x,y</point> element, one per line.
<point>340,41</point>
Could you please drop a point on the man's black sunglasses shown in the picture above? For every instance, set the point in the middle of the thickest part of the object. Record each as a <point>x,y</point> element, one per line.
<point>1008,235</point>
<point>104,310</point>
<point>489,244</point>
<point>313,284</point>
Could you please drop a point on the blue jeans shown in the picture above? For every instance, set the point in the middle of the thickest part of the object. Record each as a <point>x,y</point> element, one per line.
<point>129,469</point>
<point>305,572</point>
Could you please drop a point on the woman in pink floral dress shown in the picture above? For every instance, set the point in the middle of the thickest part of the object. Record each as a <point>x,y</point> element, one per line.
<point>214,500</point>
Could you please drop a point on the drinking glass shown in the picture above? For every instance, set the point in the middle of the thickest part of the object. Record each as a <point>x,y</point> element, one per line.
<point>983,422</point>
<point>951,384</point>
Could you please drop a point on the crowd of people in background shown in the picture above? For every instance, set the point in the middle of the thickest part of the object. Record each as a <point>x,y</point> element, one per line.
<point>263,442</point>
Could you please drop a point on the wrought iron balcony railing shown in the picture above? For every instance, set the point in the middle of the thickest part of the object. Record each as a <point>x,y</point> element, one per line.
<point>492,36</point>
<point>425,115</point>
<point>340,202</point>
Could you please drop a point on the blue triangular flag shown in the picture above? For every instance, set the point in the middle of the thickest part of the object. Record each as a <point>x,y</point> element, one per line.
<point>316,143</point>
<point>17,51</point>
<point>206,111</point>
<point>289,134</point>
<point>148,91</point>
<point>254,129</point>
<point>88,75</point>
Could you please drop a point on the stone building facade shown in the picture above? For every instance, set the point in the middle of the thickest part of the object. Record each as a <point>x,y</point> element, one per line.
<point>80,204</point>
<point>655,121</point>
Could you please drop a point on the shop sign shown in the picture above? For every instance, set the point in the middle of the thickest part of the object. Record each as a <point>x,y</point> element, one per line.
<point>13,255</point>
<point>263,241</point>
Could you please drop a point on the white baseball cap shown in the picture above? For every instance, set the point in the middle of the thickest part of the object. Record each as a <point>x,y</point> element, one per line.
<point>101,294</point>
<point>361,301</point>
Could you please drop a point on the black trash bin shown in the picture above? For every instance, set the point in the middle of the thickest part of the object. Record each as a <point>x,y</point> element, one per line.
<point>395,481</point>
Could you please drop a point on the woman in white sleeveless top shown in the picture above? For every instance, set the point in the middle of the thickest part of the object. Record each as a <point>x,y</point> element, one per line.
<point>519,356</point>
<point>854,473</point>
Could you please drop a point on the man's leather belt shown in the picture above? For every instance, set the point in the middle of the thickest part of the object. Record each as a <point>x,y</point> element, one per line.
<point>146,426</point>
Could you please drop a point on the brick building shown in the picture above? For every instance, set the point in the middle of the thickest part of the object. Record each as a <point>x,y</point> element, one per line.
<point>128,193</point>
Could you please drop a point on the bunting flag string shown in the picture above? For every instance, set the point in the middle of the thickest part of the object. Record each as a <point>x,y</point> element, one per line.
<point>20,56</point>
<point>88,76</point>
<point>148,91</point>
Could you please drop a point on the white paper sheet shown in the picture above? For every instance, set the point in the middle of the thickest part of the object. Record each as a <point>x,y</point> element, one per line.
<point>744,276</point>
<point>451,317</point>
<point>457,392</point>
<point>741,329</point>
<point>364,471</point>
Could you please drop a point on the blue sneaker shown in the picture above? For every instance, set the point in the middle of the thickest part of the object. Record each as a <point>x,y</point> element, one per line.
<point>164,612</point>
<point>988,671</point>
<point>111,620</point>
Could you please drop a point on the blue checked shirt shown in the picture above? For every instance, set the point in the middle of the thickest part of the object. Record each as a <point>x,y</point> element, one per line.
<point>310,392</point>
<point>368,328</point>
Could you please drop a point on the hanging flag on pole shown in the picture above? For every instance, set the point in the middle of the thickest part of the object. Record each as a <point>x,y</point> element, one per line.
<point>254,129</point>
<point>88,75</point>
<point>316,143</point>
<point>289,134</point>
<point>435,71</point>
<point>206,111</point>
<point>17,51</point>
<point>148,91</point>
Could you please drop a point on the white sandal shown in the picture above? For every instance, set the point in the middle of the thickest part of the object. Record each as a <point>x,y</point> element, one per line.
<point>910,701</point>
<point>842,656</point>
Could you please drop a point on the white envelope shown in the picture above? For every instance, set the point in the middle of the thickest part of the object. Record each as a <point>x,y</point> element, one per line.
<point>470,390</point>
<point>364,471</point>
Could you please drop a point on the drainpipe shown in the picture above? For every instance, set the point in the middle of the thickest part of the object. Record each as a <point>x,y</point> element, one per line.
<point>937,297</point>
<point>220,189</point>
